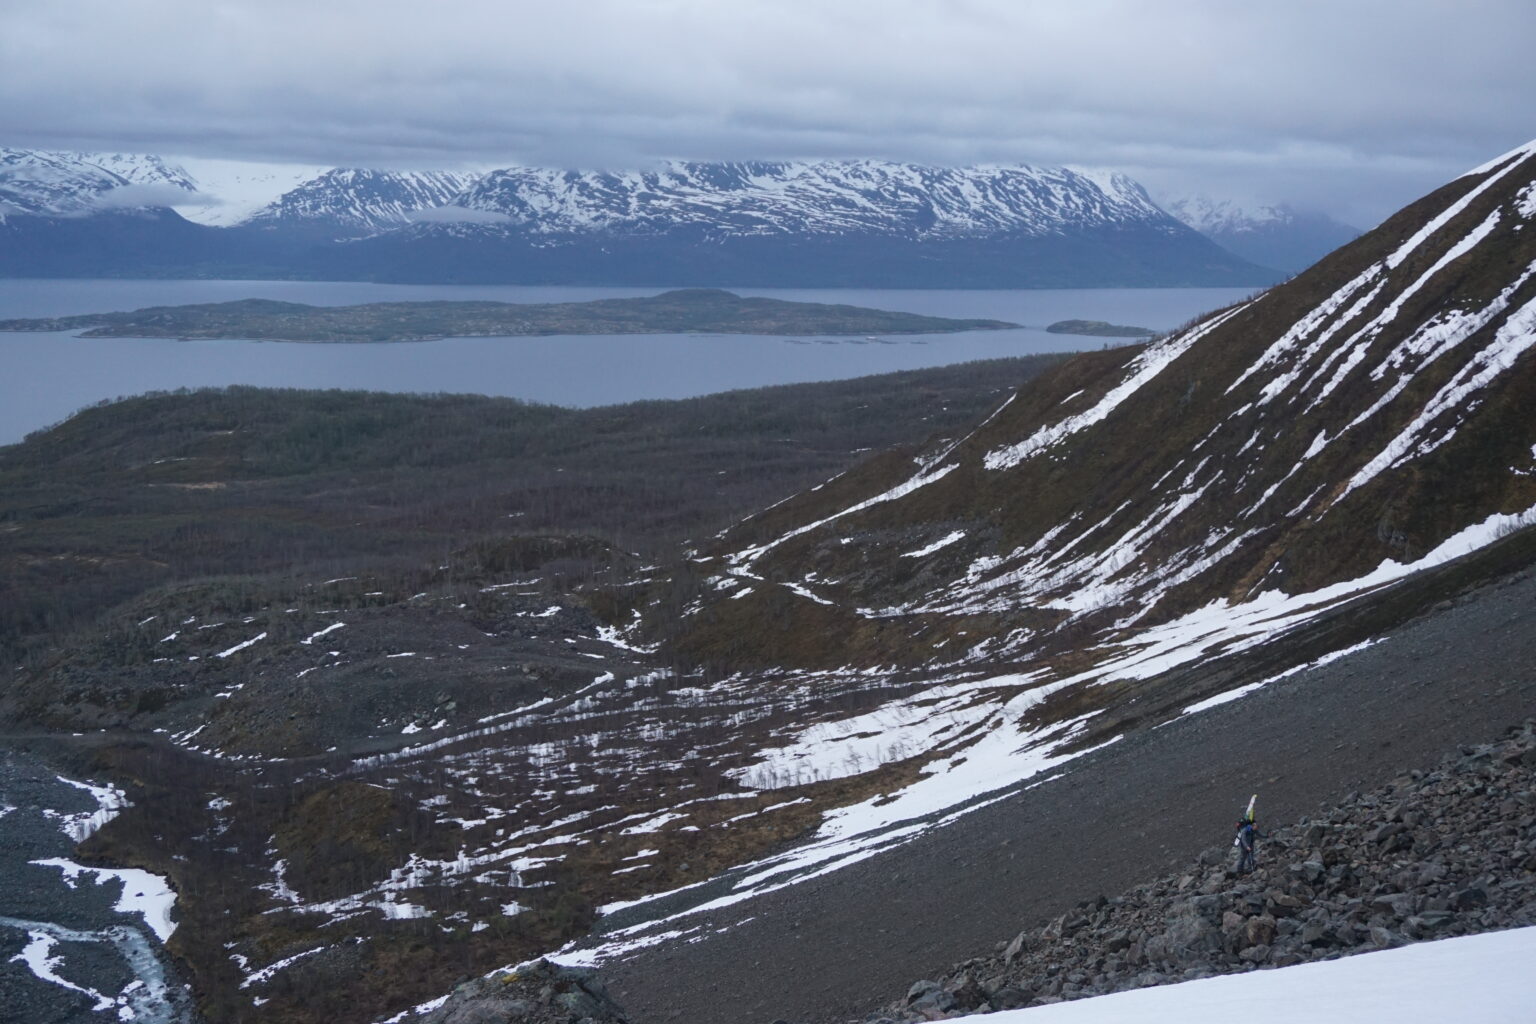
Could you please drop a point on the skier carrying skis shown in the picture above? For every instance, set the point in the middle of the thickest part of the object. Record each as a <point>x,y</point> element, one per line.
<point>1247,836</point>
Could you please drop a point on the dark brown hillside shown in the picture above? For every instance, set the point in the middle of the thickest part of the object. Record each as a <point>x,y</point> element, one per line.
<point>1367,410</point>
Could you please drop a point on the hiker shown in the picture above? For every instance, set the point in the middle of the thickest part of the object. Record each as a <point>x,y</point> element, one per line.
<point>1247,835</point>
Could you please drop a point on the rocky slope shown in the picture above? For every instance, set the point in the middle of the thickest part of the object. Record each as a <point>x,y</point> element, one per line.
<point>844,944</point>
<point>1450,851</point>
<point>536,993</point>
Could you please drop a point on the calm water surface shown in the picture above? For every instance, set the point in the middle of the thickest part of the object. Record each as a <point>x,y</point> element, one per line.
<point>46,377</point>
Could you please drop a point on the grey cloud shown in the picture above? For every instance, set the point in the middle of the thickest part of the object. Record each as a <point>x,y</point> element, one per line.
<point>1371,101</point>
<point>134,196</point>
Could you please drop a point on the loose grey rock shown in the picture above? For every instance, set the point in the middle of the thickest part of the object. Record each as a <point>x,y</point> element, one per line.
<point>1335,885</point>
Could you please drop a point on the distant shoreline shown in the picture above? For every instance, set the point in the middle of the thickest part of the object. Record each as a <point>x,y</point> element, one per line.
<point>701,311</point>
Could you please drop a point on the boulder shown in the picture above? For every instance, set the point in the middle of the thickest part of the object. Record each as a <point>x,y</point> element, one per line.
<point>1259,931</point>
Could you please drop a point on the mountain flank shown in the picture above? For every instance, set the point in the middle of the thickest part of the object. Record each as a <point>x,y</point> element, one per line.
<point>1368,411</point>
<point>693,310</point>
<point>846,946</point>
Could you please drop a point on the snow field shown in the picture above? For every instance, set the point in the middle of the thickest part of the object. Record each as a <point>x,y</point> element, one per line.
<point>1484,979</point>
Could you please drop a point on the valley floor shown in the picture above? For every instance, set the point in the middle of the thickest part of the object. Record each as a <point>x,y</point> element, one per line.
<point>837,947</point>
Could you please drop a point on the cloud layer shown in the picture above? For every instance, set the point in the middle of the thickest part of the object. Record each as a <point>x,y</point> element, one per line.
<point>1354,106</point>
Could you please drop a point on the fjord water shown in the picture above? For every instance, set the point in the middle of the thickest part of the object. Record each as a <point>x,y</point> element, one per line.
<point>49,376</point>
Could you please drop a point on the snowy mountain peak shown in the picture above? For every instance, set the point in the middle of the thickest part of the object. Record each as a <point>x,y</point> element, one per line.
<point>61,183</point>
<point>1209,216</point>
<point>361,201</point>
<point>1272,235</point>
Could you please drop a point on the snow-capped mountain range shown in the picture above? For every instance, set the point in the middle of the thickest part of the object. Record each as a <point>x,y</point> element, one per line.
<point>807,223</point>
<point>721,199</point>
<point>830,197</point>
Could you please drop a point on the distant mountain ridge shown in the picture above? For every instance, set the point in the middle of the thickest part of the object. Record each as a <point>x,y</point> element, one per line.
<point>830,197</point>
<point>1278,235</point>
<point>804,224</point>
<point>60,183</point>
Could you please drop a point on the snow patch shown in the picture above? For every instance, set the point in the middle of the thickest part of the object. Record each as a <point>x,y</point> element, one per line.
<point>942,542</point>
<point>147,895</point>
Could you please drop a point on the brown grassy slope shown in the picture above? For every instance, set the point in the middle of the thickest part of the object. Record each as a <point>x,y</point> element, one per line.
<point>1192,428</point>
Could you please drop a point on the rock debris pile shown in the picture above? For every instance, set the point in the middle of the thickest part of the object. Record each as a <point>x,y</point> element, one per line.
<point>537,993</point>
<point>1430,855</point>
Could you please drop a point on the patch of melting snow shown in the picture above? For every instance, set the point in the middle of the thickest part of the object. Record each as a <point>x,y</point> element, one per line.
<point>279,888</point>
<point>743,559</point>
<point>328,629</point>
<point>1005,754</point>
<point>654,824</point>
<point>241,646</point>
<point>942,542</point>
<point>110,802</point>
<point>264,975</point>
<point>147,895</point>
<point>807,593</point>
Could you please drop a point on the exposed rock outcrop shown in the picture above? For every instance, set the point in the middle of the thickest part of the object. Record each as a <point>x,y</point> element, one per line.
<point>537,993</point>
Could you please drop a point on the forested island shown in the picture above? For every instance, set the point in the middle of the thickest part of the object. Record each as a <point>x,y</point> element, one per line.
<point>691,310</point>
<point>1099,329</point>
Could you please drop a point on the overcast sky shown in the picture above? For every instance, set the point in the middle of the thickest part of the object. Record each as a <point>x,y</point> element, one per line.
<point>1350,106</point>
